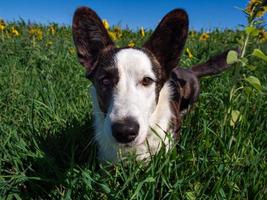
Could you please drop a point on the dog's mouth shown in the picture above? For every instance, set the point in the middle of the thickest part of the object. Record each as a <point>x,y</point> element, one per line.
<point>128,145</point>
<point>135,143</point>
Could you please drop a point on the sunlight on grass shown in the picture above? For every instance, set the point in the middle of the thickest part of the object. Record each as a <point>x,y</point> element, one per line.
<point>46,126</point>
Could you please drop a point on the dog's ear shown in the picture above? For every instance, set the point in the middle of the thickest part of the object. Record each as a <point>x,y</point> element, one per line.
<point>90,37</point>
<point>168,40</point>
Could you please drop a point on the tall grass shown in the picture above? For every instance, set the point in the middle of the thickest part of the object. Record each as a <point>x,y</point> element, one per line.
<point>46,149</point>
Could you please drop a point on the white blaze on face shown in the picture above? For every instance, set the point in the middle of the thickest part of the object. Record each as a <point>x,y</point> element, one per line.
<point>130,97</point>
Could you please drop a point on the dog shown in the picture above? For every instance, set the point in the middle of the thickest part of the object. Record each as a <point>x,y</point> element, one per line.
<point>140,95</point>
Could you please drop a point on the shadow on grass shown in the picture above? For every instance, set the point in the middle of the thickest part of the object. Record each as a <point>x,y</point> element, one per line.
<point>71,147</point>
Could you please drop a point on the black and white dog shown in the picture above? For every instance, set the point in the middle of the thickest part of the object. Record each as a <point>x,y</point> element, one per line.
<point>139,94</point>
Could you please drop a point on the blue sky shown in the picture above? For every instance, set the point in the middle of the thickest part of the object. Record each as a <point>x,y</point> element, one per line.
<point>207,14</point>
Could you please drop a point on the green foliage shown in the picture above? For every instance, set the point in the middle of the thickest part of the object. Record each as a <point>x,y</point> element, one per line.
<point>254,81</point>
<point>46,148</point>
<point>232,57</point>
<point>255,11</point>
<point>258,53</point>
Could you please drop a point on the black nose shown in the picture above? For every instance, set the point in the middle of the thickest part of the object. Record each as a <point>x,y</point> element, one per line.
<point>125,130</point>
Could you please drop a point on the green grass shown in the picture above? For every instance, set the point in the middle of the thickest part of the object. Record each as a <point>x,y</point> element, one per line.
<point>46,128</point>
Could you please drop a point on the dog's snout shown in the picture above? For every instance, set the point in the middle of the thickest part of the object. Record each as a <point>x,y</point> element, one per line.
<point>125,130</point>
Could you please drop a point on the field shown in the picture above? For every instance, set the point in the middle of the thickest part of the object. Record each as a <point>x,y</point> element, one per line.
<point>46,151</point>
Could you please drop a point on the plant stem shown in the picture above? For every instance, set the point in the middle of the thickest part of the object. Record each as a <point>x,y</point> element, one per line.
<point>250,25</point>
<point>247,39</point>
<point>243,52</point>
<point>245,45</point>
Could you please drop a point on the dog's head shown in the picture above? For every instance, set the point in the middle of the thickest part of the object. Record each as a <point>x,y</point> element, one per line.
<point>128,81</point>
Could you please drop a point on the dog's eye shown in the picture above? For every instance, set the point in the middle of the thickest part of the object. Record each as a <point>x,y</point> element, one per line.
<point>105,82</point>
<point>147,81</point>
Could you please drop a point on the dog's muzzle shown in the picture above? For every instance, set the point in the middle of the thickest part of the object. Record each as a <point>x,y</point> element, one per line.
<point>126,130</point>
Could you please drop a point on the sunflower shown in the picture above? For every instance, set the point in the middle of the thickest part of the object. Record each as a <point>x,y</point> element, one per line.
<point>14,32</point>
<point>131,44</point>
<point>117,31</point>
<point>204,37</point>
<point>105,23</point>
<point>262,36</point>
<point>112,35</point>
<point>256,7</point>
<point>36,32</point>
<point>2,25</point>
<point>52,30</point>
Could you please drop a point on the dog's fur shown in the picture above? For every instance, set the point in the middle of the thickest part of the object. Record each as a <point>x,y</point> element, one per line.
<point>139,94</point>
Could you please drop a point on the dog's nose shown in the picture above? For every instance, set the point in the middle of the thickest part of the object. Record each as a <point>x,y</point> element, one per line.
<point>125,130</point>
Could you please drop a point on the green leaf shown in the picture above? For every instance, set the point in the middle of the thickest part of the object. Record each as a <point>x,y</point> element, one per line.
<point>105,188</point>
<point>244,60</point>
<point>252,31</point>
<point>258,53</point>
<point>140,185</point>
<point>190,195</point>
<point>251,67</point>
<point>248,91</point>
<point>232,57</point>
<point>264,88</point>
<point>223,195</point>
<point>254,81</point>
<point>235,117</point>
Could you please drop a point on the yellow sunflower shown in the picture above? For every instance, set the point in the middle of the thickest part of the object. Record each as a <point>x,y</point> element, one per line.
<point>117,31</point>
<point>131,44</point>
<point>14,32</point>
<point>36,32</point>
<point>2,25</point>
<point>262,36</point>
<point>204,37</point>
<point>105,23</point>
<point>256,6</point>
<point>112,35</point>
<point>52,30</point>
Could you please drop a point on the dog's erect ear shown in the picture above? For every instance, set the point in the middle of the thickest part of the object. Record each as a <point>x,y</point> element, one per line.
<point>90,37</point>
<point>168,40</point>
